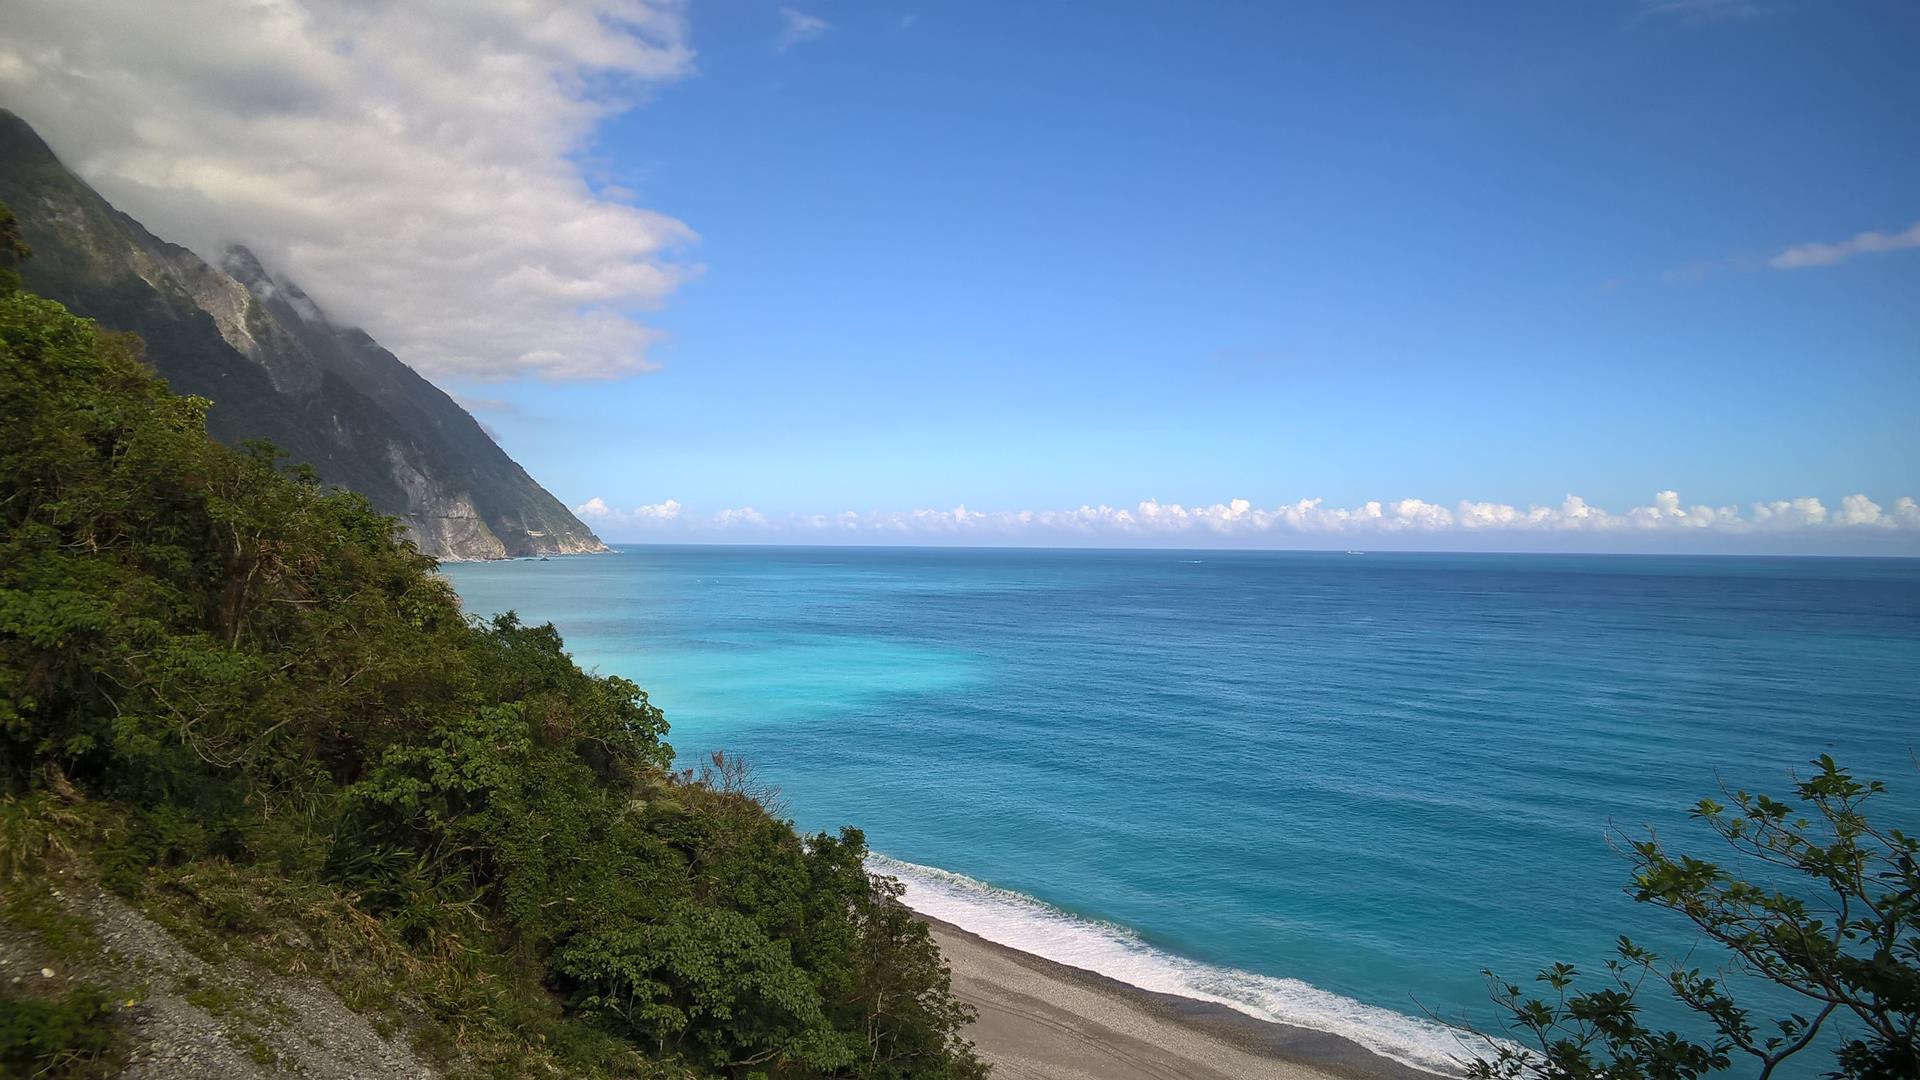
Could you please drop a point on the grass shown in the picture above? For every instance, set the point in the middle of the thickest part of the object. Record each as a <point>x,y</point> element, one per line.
<point>36,910</point>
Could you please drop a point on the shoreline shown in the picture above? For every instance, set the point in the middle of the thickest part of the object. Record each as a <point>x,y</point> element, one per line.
<point>1043,1020</point>
<point>546,556</point>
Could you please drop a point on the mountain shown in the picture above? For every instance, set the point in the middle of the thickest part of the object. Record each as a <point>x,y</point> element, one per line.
<point>276,368</point>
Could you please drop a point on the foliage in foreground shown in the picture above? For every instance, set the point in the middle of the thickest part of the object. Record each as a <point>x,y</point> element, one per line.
<point>65,1036</point>
<point>239,672</point>
<point>1818,899</point>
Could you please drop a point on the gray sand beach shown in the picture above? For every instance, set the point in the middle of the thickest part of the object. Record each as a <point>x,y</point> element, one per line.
<point>1040,1020</point>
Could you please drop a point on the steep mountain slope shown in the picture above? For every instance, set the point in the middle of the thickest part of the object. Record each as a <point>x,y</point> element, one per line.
<point>276,368</point>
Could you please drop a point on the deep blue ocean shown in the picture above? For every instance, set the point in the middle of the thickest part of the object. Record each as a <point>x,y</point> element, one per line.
<point>1326,788</point>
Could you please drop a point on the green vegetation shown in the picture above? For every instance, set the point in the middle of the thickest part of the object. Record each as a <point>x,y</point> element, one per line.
<point>1819,900</point>
<point>65,1036</point>
<point>328,395</point>
<point>12,251</point>
<point>241,700</point>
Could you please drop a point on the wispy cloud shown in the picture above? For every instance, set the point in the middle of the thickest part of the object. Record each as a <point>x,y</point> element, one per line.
<point>415,167</point>
<point>1797,257</point>
<point>1307,522</point>
<point>1867,243</point>
<point>798,27</point>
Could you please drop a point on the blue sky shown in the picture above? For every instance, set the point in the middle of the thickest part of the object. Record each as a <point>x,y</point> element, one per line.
<point>1015,258</point>
<point>1039,257</point>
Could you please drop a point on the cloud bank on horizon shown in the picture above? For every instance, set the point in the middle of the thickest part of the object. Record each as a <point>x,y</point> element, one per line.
<point>413,166</point>
<point>1308,522</point>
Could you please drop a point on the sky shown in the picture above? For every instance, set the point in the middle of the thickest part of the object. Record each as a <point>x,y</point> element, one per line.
<point>1598,275</point>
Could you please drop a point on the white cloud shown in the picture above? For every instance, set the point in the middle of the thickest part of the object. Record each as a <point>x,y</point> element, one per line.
<point>1868,243</point>
<point>1860,510</point>
<point>597,509</point>
<point>412,165</point>
<point>743,516</point>
<point>1307,522</point>
<point>1666,512</point>
<point>797,27</point>
<point>1789,514</point>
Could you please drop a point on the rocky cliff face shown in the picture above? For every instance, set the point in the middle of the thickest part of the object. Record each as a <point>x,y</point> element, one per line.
<point>277,368</point>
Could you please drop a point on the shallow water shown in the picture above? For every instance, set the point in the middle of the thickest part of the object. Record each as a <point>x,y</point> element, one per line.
<point>1326,788</point>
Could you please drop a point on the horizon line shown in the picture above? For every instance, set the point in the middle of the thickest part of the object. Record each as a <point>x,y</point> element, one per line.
<point>776,545</point>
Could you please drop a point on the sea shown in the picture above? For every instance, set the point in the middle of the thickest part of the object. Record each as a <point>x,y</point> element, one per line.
<point>1326,789</point>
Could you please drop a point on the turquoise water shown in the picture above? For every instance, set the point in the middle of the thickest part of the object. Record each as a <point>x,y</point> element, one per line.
<point>1327,789</point>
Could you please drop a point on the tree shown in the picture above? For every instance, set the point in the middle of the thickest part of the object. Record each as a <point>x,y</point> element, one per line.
<point>238,670</point>
<point>1820,901</point>
<point>13,251</point>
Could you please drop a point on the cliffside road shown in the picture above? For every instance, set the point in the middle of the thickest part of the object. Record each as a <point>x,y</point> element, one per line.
<point>194,1019</point>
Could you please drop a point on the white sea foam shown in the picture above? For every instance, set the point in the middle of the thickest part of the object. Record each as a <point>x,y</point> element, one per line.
<point>1021,922</point>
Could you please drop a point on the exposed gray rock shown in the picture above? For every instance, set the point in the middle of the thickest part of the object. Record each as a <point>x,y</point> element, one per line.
<point>277,368</point>
<point>268,1024</point>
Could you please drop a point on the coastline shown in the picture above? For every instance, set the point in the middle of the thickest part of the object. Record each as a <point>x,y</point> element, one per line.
<point>444,560</point>
<point>1044,1020</point>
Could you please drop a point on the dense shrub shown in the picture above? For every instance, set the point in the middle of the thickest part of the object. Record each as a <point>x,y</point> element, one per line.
<point>253,668</point>
<point>54,1037</point>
